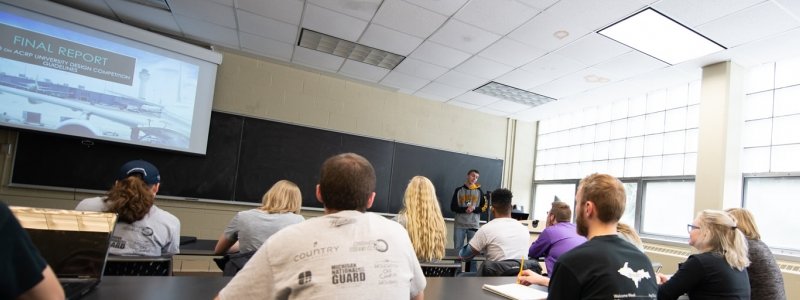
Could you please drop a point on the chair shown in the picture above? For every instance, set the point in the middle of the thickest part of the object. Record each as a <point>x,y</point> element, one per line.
<point>138,266</point>
<point>232,263</point>
<point>509,267</point>
<point>440,269</point>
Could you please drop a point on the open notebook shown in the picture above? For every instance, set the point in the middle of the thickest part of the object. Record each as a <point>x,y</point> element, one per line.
<point>74,244</point>
<point>516,291</point>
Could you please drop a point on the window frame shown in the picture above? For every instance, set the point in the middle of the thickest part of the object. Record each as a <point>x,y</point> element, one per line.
<point>779,253</point>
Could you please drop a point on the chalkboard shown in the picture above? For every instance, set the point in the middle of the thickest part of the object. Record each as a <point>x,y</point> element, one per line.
<point>245,157</point>
<point>447,171</point>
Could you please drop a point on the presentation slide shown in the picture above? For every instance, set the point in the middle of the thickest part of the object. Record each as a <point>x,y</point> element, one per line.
<point>56,79</point>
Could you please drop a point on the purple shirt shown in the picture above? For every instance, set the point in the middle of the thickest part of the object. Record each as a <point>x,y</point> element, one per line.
<point>555,241</point>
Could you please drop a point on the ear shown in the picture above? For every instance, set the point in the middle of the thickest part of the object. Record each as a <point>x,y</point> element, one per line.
<point>370,200</point>
<point>155,188</point>
<point>589,209</point>
<point>318,193</point>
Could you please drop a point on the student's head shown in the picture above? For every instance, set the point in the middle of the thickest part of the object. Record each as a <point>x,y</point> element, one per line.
<point>347,182</point>
<point>472,176</point>
<point>424,221</point>
<point>627,233</point>
<point>501,202</point>
<point>600,198</point>
<point>716,231</point>
<point>134,191</point>
<point>746,222</point>
<point>559,212</point>
<point>284,196</point>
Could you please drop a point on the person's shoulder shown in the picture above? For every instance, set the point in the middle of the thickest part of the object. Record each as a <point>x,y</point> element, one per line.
<point>91,204</point>
<point>163,215</point>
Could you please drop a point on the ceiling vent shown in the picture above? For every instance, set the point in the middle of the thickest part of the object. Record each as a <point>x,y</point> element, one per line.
<point>332,45</point>
<point>513,94</point>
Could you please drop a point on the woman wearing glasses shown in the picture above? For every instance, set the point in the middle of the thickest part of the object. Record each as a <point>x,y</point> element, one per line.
<point>718,270</point>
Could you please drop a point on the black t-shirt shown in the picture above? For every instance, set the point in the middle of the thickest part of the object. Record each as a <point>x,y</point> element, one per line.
<point>706,276</point>
<point>605,267</point>
<point>21,265</point>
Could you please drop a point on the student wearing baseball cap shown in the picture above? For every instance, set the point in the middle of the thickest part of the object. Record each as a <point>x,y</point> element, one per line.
<point>142,229</point>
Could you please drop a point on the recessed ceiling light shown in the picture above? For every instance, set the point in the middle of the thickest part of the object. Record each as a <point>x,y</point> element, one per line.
<point>513,94</point>
<point>332,45</point>
<point>655,34</point>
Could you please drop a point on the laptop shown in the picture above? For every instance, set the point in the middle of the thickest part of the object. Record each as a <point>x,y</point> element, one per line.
<point>74,244</point>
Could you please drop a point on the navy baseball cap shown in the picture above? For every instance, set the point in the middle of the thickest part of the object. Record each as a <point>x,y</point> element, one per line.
<point>149,171</point>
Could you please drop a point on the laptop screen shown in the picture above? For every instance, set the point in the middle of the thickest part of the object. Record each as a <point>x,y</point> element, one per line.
<point>74,243</point>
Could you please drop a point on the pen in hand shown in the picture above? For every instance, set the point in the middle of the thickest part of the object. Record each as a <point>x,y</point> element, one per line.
<point>521,268</point>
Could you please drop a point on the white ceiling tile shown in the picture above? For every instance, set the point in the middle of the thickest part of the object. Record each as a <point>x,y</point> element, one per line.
<point>284,10</point>
<point>792,6</point>
<point>782,46</point>
<point>511,52</point>
<point>461,80</point>
<point>630,64</point>
<point>593,49</point>
<point>554,65</point>
<point>362,9</point>
<point>441,90</point>
<point>444,7</point>
<point>256,44</point>
<point>390,40</point>
<point>484,68</point>
<point>754,23</point>
<point>363,71</point>
<point>420,69</point>
<point>692,13</point>
<point>522,79</point>
<point>463,104</point>
<point>538,4</point>
<point>208,32</point>
<point>464,37</point>
<point>508,106</point>
<point>403,81</point>
<point>583,80</point>
<point>408,18</point>
<point>475,98</point>
<point>144,16</point>
<point>440,55</point>
<point>225,2</point>
<point>490,110</point>
<point>333,23</point>
<point>207,11</point>
<point>497,16</point>
<point>548,31</point>
<point>430,96</point>
<point>595,14</point>
<point>316,59</point>
<point>266,27</point>
<point>98,7</point>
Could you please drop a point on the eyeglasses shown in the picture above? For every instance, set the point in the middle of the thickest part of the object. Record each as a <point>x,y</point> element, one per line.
<point>690,227</point>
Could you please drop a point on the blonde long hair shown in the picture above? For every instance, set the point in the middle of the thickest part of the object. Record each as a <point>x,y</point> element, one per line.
<point>424,220</point>
<point>719,234</point>
<point>283,197</point>
<point>746,221</point>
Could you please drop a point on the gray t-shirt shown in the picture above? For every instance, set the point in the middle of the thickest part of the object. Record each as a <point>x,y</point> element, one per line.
<point>252,227</point>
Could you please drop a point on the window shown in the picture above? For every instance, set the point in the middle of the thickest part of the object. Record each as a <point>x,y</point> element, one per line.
<point>667,206</point>
<point>546,193</point>
<point>631,188</point>
<point>773,202</point>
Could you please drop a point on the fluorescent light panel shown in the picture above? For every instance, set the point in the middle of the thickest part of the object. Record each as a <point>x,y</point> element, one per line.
<point>332,45</point>
<point>655,34</point>
<point>513,94</point>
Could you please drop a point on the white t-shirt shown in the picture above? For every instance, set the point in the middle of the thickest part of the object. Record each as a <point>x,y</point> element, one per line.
<point>252,227</point>
<point>502,238</point>
<point>158,233</point>
<point>345,255</point>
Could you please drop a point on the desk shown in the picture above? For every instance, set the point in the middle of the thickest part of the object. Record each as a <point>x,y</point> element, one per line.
<point>204,287</point>
<point>452,254</point>
<point>199,247</point>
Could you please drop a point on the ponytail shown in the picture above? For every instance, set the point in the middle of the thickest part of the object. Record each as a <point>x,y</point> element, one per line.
<point>130,199</point>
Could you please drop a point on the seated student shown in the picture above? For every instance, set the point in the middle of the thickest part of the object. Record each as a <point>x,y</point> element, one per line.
<point>626,232</point>
<point>346,254</point>
<point>557,238</point>
<point>766,280</point>
<point>280,208</point>
<point>142,228</point>
<point>24,273</point>
<point>718,270</point>
<point>422,218</point>
<point>606,266</point>
<point>502,238</point>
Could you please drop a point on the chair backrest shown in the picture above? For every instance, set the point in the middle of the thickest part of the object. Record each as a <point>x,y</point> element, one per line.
<point>509,267</point>
<point>138,266</point>
<point>230,264</point>
<point>440,269</point>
